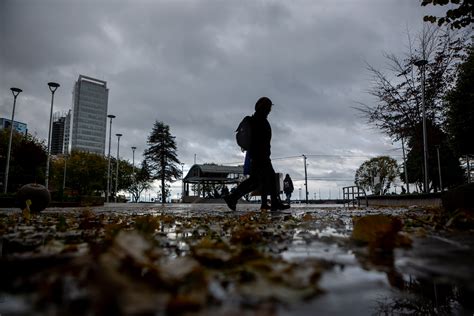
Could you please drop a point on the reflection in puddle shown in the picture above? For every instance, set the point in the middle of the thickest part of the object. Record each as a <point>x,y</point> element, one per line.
<point>380,284</point>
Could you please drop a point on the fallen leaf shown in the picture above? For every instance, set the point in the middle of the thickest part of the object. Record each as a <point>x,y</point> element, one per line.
<point>379,231</point>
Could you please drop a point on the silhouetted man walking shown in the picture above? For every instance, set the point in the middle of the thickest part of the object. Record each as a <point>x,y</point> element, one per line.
<point>261,169</point>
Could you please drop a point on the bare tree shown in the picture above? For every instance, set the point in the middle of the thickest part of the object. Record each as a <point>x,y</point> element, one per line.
<point>398,106</point>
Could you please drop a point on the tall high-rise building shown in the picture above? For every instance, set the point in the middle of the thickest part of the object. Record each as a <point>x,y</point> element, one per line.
<point>57,135</point>
<point>89,122</point>
<point>60,133</point>
<point>67,133</point>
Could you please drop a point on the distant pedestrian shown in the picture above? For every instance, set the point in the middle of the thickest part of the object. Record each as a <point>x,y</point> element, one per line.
<point>288,187</point>
<point>262,173</point>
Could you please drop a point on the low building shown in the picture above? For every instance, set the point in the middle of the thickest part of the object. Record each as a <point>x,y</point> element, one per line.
<point>19,126</point>
<point>209,175</point>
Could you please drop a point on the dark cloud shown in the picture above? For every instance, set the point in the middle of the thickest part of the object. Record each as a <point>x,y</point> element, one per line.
<point>199,66</point>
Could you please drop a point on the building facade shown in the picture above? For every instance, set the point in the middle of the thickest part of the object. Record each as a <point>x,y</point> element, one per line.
<point>18,126</point>
<point>89,119</point>
<point>57,135</point>
<point>67,133</point>
<point>60,133</point>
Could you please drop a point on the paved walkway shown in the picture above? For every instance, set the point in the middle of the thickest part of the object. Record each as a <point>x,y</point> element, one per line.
<point>435,275</point>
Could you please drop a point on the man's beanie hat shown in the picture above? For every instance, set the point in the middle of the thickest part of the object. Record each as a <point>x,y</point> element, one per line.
<point>263,103</point>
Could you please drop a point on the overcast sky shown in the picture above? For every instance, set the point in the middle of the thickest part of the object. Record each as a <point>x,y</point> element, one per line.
<point>200,65</point>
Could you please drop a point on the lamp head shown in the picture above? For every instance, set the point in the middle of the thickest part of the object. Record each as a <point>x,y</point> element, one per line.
<point>16,91</point>
<point>53,86</point>
<point>111,116</point>
<point>118,135</point>
<point>133,148</point>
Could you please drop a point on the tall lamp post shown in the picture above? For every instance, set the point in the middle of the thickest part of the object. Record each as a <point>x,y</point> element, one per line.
<point>182,181</point>
<point>305,180</point>
<point>133,166</point>
<point>439,169</point>
<point>133,160</point>
<point>117,170</point>
<point>64,174</point>
<point>52,87</point>
<point>405,167</point>
<point>15,92</point>
<point>421,65</point>
<point>108,167</point>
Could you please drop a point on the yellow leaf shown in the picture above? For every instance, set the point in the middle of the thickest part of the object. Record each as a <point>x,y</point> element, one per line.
<point>377,230</point>
<point>26,211</point>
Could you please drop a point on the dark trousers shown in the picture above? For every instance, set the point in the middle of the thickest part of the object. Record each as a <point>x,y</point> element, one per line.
<point>262,176</point>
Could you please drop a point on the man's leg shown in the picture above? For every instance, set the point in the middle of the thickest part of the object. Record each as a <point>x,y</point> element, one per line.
<point>243,188</point>
<point>269,184</point>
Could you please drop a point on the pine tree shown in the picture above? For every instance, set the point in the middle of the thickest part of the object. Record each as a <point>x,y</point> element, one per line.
<point>460,109</point>
<point>161,156</point>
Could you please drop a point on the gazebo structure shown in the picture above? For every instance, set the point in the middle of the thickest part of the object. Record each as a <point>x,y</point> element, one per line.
<point>210,175</point>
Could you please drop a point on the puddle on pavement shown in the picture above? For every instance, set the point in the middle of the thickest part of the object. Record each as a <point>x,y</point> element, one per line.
<point>434,277</point>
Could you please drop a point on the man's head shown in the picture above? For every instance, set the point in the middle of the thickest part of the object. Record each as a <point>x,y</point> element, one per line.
<point>263,105</point>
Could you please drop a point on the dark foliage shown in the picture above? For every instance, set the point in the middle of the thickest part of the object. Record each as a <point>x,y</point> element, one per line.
<point>451,172</point>
<point>459,198</point>
<point>460,110</point>
<point>458,17</point>
<point>27,160</point>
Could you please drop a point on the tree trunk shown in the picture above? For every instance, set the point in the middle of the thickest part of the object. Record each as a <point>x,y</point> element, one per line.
<point>163,189</point>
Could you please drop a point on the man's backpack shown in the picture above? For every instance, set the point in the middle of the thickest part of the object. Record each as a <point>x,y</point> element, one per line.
<point>244,133</point>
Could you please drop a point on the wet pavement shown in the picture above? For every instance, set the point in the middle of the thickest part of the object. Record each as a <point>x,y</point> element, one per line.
<point>435,276</point>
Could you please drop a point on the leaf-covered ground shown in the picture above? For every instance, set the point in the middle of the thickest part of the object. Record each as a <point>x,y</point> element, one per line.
<point>151,260</point>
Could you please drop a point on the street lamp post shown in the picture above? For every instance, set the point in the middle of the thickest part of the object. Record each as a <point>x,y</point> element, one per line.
<point>108,167</point>
<point>182,181</point>
<point>405,167</point>
<point>52,87</point>
<point>117,170</point>
<point>133,160</point>
<point>421,65</point>
<point>64,175</point>
<point>15,92</point>
<point>439,169</point>
<point>133,165</point>
<point>305,180</point>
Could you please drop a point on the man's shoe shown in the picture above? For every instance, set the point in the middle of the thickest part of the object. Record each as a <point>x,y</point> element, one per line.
<point>280,207</point>
<point>231,202</point>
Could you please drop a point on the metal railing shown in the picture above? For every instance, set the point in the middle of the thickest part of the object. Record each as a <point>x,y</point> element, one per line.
<point>351,196</point>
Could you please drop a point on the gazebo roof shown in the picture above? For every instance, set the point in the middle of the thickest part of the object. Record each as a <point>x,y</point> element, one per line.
<point>212,172</point>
